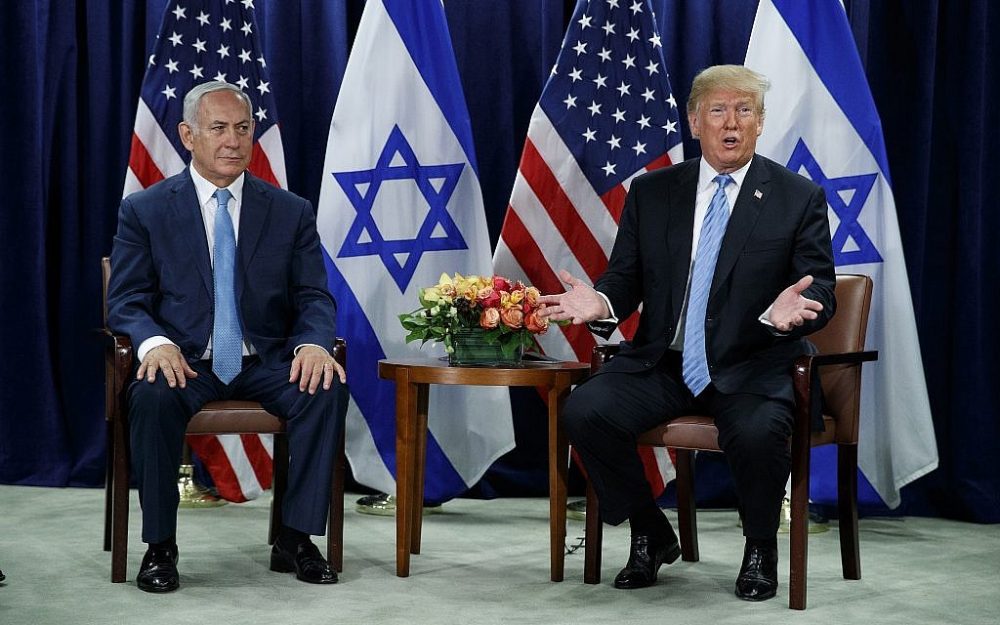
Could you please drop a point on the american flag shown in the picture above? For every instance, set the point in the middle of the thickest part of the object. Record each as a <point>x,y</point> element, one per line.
<point>198,41</point>
<point>606,115</point>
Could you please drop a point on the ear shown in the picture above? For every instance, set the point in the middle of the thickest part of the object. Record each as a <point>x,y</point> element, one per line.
<point>187,135</point>
<point>694,127</point>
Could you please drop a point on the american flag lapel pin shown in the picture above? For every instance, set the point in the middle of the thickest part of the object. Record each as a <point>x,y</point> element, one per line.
<point>757,194</point>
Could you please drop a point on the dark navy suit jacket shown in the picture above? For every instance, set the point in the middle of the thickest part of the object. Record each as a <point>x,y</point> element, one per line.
<point>161,273</point>
<point>778,232</point>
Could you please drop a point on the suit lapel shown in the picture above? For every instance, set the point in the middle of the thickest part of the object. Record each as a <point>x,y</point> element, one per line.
<point>190,225</point>
<point>753,194</point>
<point>679,229</point>
<point>254,211</point>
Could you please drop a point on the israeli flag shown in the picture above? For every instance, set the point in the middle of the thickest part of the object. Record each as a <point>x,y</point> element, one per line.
<point>400,204</point>
<point>821,122</point>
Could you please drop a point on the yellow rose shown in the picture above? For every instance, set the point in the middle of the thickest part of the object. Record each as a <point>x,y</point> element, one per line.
<point>531,295</point>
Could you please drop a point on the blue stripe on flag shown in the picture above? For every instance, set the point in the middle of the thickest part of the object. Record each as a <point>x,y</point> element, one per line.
<point>822,28</point>
<point>424,30</point>
<point>378,399</point>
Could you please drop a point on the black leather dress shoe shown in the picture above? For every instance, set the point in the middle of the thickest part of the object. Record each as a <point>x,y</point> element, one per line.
<point>647,554</point>
<point>306,562</point>
<point>758,578</point>
<point>158,572</point>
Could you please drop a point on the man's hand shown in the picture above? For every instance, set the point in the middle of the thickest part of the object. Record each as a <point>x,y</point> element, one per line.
<point>313,366</point>
<point>791,309</point>
<point>580,304</point>
<point>168,360</point>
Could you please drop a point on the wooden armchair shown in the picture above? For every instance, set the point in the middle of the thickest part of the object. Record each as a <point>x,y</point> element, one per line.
<point>841,352</point>
<point>220,417</point>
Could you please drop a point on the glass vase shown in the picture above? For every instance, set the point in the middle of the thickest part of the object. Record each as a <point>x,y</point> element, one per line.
<point>472,349</point>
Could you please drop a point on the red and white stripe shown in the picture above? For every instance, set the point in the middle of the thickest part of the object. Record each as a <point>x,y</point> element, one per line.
<point>556,220</point>
<point>240,464</point>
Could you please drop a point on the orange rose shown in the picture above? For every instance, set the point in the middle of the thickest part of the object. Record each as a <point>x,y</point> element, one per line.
<point>512,318</point>
<point>535,323</point>
<point>489,319</point>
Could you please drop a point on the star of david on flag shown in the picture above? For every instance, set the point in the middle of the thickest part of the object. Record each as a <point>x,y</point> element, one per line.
<point>400,205</point>
<point>822,122</point>
<point>846,195</point>
<point>437,232</point>
<point>199,41</point>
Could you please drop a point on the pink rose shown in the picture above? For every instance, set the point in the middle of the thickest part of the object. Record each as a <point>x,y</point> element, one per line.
<point>535,323</point>
<point>512,318</point>
<point>489,319</point>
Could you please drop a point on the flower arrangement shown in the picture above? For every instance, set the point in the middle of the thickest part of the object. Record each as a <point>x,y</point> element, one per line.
<point>505,311</point>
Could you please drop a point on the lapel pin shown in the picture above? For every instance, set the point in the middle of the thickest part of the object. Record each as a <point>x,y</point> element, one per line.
<point>757,194</point>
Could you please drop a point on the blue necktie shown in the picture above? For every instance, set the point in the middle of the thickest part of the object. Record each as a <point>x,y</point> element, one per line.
<point>227,338</point>
<point>695,361</point>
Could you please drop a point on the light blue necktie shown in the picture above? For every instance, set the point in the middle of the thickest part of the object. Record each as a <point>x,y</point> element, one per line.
<point>227,338</point>
<point>695,361</point>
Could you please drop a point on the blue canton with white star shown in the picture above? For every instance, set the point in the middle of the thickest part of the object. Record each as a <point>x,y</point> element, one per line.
<point>847,212</point>
<point>609,95</point>
<point>200,42</point>
<point>437,232</point>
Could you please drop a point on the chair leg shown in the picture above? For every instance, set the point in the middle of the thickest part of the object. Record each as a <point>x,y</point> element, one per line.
<point>593,539</point>
<point>109,481</point>
<point>119,503</point>
<point>279,485</point>
<point>335,522</point>
<point>687,509</point>
<point>847,497</point>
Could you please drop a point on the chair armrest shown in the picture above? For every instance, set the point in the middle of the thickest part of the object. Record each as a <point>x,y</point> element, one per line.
<point>602,354</point>
<point>802,371</point>
<point>802,363</point>
<point>340,351</point>
<point>802,379</point>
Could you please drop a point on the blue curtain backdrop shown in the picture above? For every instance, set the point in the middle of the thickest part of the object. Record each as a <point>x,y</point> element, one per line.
<point>72,70</point>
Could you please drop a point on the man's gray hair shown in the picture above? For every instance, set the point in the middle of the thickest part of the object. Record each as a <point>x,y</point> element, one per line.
<point>193,99</point>
<point>728,77</point>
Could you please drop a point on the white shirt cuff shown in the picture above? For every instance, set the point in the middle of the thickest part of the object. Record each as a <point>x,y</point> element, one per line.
<point>150,343</point>
<point>299,347</point>
<point>765,317</point>
<point>612,318</point>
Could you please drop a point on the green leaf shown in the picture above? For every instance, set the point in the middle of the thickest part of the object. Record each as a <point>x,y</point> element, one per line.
<point>413,336</point>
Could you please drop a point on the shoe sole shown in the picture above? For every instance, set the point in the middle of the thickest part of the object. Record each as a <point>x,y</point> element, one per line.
<point>770,595</point>
<point>157,590</point>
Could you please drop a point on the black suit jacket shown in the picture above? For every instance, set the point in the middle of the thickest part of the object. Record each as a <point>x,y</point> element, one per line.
<point>778,232</point>
<point>161,277</point>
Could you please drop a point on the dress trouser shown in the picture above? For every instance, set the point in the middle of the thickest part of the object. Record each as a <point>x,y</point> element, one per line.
<point>158,417</point>
<point>604,416</point>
